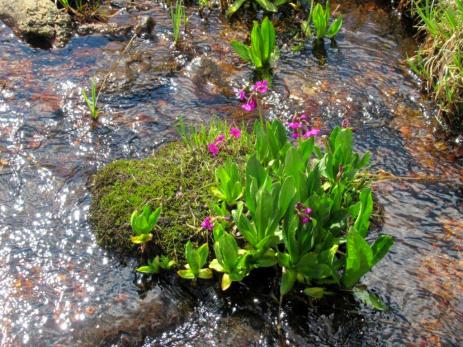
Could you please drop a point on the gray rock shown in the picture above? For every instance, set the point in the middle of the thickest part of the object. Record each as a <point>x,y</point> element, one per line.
<point>37,21</point>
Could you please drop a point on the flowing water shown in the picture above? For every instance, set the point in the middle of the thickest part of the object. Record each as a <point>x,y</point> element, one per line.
<point>59,288</point>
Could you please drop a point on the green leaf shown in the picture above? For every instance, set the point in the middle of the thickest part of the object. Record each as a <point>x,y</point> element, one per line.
<point>334,28</point>
<point>235,7</point>
<point>215,265</point>
<point>315,292</point>
<point>226,281</point>
<point>192,258</point>
<point>359,259</point>
<point>268,37</point>
<point>369,299</point>
<point>141,239</point>
<point>186,274</point>
<point>288,278</point>
<point>205,274</point>
<point>242,50</point>
<point>267,5</point>
<point>203,253</point>
<point>256,46</point>
<point>381,247</point>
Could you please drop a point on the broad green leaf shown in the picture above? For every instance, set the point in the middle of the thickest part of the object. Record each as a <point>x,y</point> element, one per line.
<point>148,269</point>
<point>192,258</point>
<point>186,274</point>
<point>226,281</point>
<point>242,50</point>
<point>381,247</point>
<point>359,259</point>
<point>203,253</point>
<point>288,278</point>
<point>369,299</point>
<point>334,28</point>
<point>205,274</point>
<point>256,46</point>
<point>214,265</point>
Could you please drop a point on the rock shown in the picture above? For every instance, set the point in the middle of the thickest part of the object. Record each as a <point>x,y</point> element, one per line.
<point>145,25</point>
<point>39,22</point>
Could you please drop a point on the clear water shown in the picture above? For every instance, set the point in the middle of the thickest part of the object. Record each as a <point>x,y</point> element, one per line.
<point>59,288</point>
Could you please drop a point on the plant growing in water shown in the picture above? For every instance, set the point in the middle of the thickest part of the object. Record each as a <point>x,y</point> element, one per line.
<point>155,265</point>
<point>196,259</point>
<point>179,19</point>
<point>263,51</point>
<point>92,101</point>
<point>320,18</point>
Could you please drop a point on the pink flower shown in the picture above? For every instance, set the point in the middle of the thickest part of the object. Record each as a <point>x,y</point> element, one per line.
<point>261,87</point>
<point>235,132</point>
<point>311,133</point>
<point>213,149</point>
<point>308,210</point>
<point>207,223</point>
<point>295,135</point>
<point>303,117</point>
<point>250,105</point>
<point>294,125</point>
<point>305,220</point>
<point>219,139</point>
<point>241,94</point>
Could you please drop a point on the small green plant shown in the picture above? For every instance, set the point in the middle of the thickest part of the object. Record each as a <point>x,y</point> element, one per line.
<point>143,224</point>
<point>92,101</point>
<point>230,260</point>
<point>155,265</point>
<point>179,19</point>
<point>320,19</point>
<point>196,259</point>
<point>229,187</point>
<point>263,51</point>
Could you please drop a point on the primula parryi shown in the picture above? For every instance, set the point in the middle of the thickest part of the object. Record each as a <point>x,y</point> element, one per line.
<point>303,213</point>
<point>207,224</point>
<point>250,96</point>
<point>300,126</point>
<point>235,132</point>
<point>261,87</point>
<point>213,149</point>
<point>250,105</point>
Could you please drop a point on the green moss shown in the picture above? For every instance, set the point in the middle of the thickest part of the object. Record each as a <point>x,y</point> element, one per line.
<point>177,177</point>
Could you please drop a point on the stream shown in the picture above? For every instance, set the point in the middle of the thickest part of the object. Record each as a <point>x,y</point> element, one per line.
<point>59,288</point>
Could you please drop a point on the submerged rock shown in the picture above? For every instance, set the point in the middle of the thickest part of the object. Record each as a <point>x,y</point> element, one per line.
<point>39,22</point>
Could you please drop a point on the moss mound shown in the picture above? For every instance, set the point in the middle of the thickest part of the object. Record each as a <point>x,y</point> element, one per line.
<point>177,177</point>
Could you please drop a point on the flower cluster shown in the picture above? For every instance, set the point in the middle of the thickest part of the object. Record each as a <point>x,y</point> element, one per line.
<point>303,212</point>
<point>300,127</point>
<point>250,96</point>
<point>214,147</point>
<point>207,223</point>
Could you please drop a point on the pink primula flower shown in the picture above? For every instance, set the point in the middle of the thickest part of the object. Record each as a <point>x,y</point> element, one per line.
<point>207,224</point>
<point>241,94</point>
<point>311,133</point>
<point>213,149</point>
<point>235,132</point>
<point>261,87</point>
<point>294,125</point>
<point>250,105</point>
<point>219,139</point>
